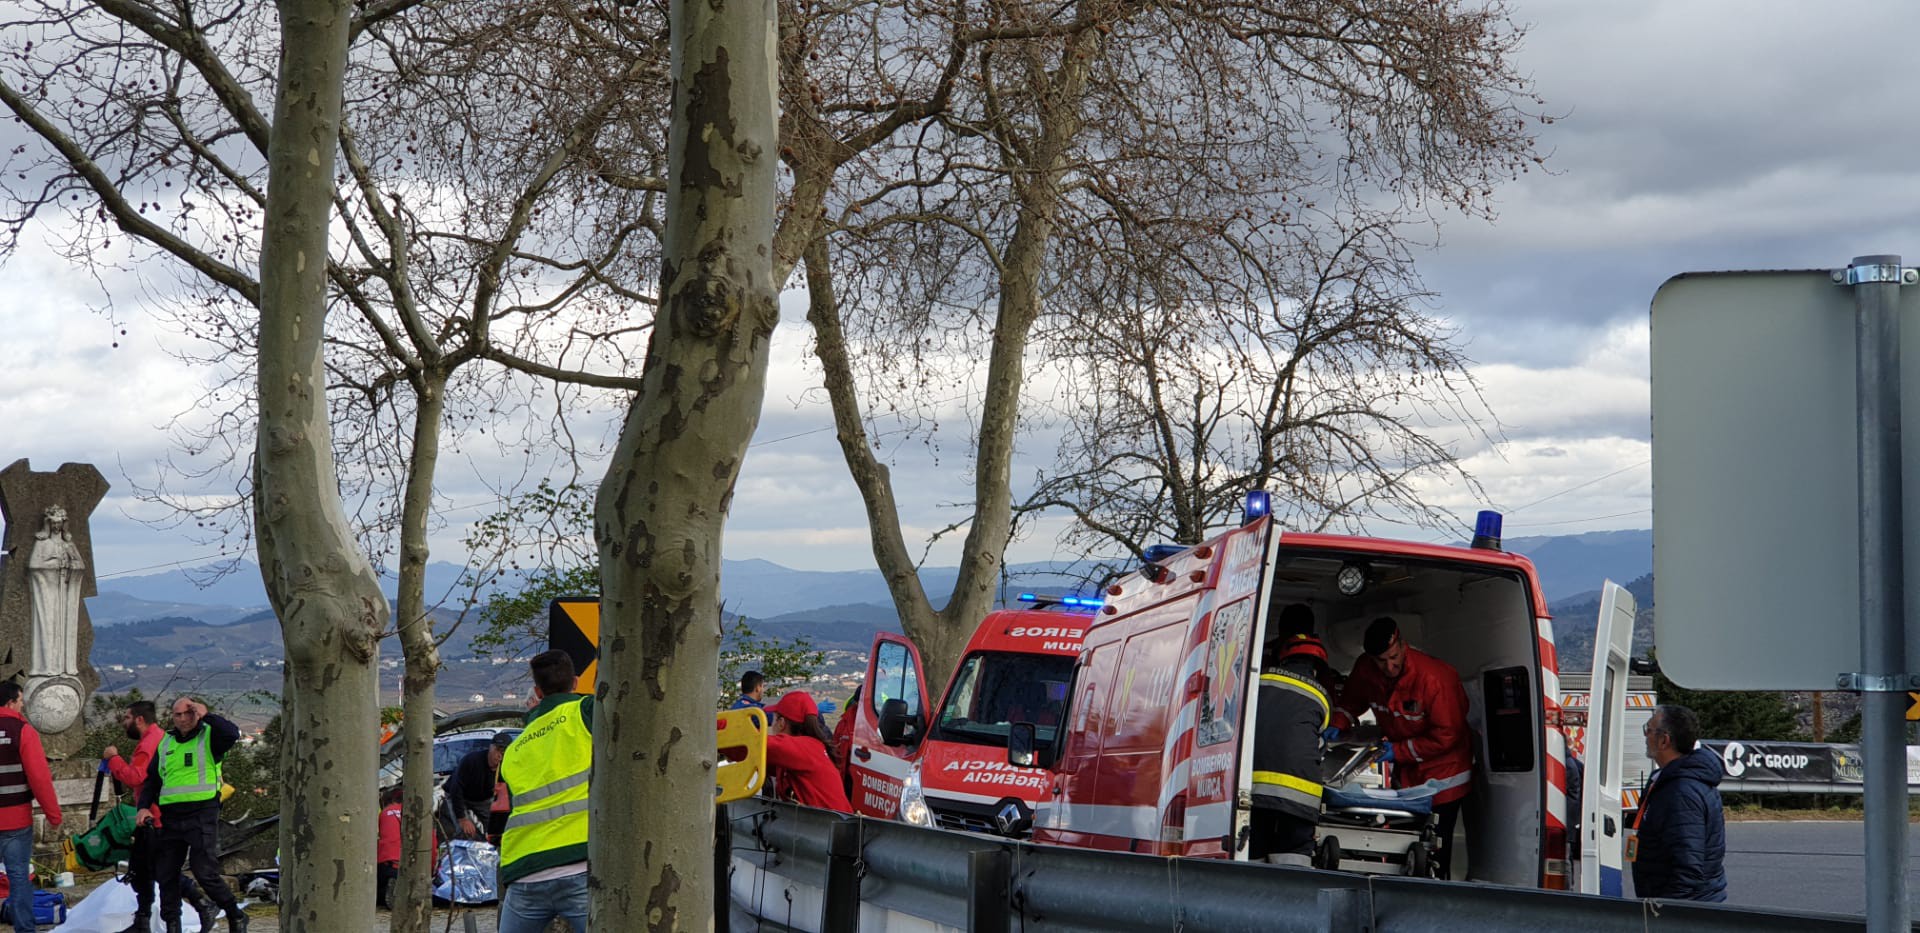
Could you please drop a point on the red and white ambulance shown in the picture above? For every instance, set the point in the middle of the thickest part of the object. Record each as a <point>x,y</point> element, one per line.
<point>948,767</point>
<point>1157,752</point>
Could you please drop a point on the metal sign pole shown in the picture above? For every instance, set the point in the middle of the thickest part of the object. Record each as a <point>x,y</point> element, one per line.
<point>1876,284</point>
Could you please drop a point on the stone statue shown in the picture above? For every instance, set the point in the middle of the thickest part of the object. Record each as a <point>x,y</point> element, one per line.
<point>46,574</point>
<point>55,572</point>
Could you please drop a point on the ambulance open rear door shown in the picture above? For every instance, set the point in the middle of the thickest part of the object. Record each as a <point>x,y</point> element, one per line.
<point>1601,829</point>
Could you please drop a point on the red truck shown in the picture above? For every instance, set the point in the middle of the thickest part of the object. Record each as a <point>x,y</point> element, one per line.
<point>947,766</point>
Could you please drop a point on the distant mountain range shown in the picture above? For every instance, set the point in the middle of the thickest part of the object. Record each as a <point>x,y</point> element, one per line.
<point>214,616</point>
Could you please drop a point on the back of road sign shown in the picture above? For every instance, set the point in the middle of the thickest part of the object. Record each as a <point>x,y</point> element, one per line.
<point>1756,501</point>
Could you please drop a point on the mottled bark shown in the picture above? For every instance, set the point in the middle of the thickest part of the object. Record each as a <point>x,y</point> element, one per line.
<point>665,498</point>
<point>322,588</point>
<point>411,897</point>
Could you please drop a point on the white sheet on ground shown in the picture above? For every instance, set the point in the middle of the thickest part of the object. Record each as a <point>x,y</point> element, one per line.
<point>109,909</point>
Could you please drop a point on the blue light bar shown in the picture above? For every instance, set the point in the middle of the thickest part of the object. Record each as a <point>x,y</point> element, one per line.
<point>1259,505</point>
<point>1156,553</point>
<point>1088,603</point>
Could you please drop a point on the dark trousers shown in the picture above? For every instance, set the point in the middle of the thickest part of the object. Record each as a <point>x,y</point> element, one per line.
<point>383,875</point>
<point>1278,833</point>
<point>1449,814</point>
<point>140,868</point>
<point>191,839</point>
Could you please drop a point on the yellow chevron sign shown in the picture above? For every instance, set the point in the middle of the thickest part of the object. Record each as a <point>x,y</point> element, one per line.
<point>1913,706</point>
<point>573,626</point>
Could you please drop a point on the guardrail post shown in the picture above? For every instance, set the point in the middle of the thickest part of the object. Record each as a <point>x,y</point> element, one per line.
<point>841,912</point>
<point>1345,910</point>
<point>722,870</point>
<point>989,876</point>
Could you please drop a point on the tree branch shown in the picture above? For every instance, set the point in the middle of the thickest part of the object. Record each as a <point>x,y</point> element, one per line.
<point>125,215</point>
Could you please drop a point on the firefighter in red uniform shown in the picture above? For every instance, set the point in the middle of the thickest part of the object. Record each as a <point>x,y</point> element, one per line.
<point>1422,711</point>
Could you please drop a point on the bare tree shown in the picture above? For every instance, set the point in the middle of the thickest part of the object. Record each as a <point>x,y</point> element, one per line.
<point>1110,141</point>
<point>323,589</point>
<point>1328,390</point>
<point>491,206</point>
<point>663,503</point>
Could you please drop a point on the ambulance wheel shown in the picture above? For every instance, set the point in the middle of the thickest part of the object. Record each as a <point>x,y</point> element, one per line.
<point>1327,854</point>
<point>1419,861</point>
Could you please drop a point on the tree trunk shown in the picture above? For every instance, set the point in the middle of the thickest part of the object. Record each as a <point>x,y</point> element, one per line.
<point>412,895</point>
<point>321,586</point>
<point>941,636</point>
<point>661,509</point>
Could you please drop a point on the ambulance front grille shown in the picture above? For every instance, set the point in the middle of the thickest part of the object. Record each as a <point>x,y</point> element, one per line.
<point>976,818</point>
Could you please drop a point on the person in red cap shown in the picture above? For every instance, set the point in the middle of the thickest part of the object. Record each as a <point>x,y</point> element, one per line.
<point>1286,752</point>
<point>798,754</point>
<point>1422,710</point>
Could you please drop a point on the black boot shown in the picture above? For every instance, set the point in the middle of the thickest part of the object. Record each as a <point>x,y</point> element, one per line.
<point>142,922</point>
<point>173,926</point>
<point>202,904</point>
<point>236,920</point>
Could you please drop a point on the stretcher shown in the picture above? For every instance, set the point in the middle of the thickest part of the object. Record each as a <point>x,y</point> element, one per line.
<point>1374,830</point>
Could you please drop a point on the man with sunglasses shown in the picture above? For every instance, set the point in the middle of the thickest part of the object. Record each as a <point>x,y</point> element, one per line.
<point>1679,841</point>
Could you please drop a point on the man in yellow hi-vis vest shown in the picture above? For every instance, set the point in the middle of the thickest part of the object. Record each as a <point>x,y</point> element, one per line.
<point>543,850</point>
<point>184,779</point>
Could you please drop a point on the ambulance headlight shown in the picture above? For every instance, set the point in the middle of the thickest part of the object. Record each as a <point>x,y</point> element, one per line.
<point>913,803</point>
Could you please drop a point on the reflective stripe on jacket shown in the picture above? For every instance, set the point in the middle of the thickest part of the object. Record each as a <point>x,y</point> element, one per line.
<point>188,773</point>
<point>1286,753</point>
<point>547,771</point>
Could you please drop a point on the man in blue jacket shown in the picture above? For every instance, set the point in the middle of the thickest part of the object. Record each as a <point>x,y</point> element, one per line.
<point>1681,835</point>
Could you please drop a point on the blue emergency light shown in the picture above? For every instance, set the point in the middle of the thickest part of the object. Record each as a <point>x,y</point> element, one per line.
<point>1078,602</point>
<point>1486,530</point>
<point>1259,505</point>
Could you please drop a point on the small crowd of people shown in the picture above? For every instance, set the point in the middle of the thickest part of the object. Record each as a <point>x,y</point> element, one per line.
<point>546,771</point>
<point>1678,843</point>
<point>804,759</point>
<point>175,776</point>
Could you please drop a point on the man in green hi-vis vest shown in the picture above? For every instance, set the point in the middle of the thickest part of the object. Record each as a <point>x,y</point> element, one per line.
<point>184,779</point>
<point>543,851</point>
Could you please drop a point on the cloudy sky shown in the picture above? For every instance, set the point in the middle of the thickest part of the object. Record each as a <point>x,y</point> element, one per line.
<point>1690,135</point>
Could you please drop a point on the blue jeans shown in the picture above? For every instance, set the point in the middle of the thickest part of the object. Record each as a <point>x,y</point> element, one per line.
<point>16,849</point>
<point>528,905</point>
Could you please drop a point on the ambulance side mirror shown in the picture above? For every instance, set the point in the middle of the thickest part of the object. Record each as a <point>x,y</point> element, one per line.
<point>1020,746</point>
<point>895,723</point>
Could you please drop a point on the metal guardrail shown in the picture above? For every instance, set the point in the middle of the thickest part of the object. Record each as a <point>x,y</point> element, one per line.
<point>794,868</point>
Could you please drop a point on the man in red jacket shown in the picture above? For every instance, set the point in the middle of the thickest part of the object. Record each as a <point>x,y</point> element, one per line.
<point>142,723</point>
<point>24,779</point>
<point>1422,711</point>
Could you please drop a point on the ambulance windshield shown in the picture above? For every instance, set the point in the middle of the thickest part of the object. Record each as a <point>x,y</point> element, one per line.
<point>994,690</point>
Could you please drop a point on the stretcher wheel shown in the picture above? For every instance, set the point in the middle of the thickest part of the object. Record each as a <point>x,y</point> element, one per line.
<point>1419,861</point>
<point>1327,854</point>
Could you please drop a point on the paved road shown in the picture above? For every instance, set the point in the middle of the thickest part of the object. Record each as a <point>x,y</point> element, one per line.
<point>1806,866</point>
